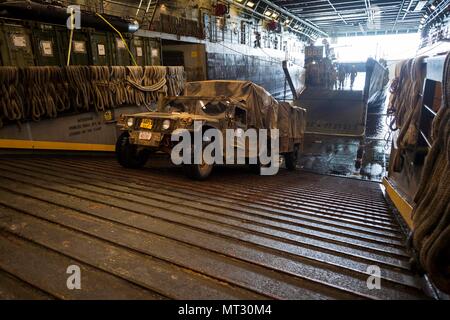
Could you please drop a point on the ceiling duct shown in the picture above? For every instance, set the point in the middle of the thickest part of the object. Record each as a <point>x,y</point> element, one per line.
<point>57,14</point>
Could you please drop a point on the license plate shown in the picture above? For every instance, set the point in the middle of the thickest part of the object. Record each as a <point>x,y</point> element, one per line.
<point>147,123</point>
<point>144,135</point>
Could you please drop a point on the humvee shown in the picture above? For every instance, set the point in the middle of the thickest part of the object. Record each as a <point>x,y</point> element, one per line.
<point>221,105</point>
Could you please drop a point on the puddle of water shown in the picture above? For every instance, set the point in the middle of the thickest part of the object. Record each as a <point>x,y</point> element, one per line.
<point>366,159</point>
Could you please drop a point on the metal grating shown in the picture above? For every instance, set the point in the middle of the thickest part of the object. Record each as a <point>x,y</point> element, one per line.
<point>153,234</point>
<point>361,17</point>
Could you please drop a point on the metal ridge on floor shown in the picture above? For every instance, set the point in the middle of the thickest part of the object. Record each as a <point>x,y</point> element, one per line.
<point>154,234</point>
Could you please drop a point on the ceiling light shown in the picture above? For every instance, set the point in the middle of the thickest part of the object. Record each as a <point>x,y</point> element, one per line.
<point>432,7</point>
<point>287,21</point>
<point>420,5</point>
<point>275,15</point>
<point>268,13</point>
<point>250,4</point>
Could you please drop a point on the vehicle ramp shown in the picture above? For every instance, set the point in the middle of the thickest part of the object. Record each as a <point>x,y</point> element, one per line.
<point>154,234</point>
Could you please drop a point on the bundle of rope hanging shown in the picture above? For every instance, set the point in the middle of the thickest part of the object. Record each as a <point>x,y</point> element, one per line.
<point>155,80</point>
<point>431,216</point>
<point>118,80</point>
<point>44,92</point>
<point>80,87</point>
<point>101,90</point>
<point>176,78</point>
<point>143,84</point>
<point>135,78</point>
<point>11,104</point>
<point>406,104</point>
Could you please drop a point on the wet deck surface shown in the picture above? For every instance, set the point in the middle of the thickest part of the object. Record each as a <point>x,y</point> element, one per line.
<point>153,234</point>
<point>338,155</point>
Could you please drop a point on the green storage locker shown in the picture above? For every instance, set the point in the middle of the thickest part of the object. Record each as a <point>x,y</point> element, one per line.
<point>139,50</point>
<point>102,49</point>
<point>81,53</point>
<point>121,57</point>
<point>155,52</point>
<point>47,51</point>
<point>15,45</point>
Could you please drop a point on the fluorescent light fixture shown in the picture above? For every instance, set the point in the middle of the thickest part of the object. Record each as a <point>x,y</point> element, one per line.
<point>275,15</point>
<point>250,4</point>
<point>268,13</point>
<point>433,7</point>
<point>287,21</point>
<point>239,1</point>
<point>420,5</point>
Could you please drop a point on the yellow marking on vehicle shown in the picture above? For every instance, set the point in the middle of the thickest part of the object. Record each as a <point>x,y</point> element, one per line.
<point>147,123</point>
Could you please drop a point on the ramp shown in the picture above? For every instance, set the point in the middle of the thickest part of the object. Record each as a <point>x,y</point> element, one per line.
<point>153,234</point>
<point>334,112</point>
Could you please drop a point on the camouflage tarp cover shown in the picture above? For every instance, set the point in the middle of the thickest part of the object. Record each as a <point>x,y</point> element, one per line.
<point>264,112</point>
<point>292,124</point>
<point>262,108</point>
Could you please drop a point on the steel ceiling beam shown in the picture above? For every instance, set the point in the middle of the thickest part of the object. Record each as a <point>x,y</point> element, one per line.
<point>389,15</point>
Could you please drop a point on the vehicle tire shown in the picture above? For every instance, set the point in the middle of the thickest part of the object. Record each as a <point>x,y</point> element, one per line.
<point>128,155</point>
<point>291,159</point>
<point>198,172</point>
<point>256,167</point>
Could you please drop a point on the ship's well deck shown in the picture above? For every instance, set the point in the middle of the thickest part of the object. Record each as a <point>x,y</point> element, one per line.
<point>154,234</point>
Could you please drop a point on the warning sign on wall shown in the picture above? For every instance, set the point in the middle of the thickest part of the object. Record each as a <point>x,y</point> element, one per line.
<point>79,47</point>
<point>101,49</point>
<point>46,48</point>
<point>19,40</point>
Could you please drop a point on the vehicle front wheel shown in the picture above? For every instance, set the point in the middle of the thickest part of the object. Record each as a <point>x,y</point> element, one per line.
<point>291,159</point>
<point>128,155</point>
<point>198,171</point>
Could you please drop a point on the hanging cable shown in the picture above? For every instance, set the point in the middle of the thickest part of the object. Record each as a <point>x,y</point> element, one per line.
<point>121,37</point>
<point>72,27</point>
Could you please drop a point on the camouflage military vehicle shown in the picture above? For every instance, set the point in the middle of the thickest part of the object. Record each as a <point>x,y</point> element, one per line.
<point>237,105</point>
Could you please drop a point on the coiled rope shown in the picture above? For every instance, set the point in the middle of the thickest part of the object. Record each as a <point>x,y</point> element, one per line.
<point>176,79</point>
<point>431,215</point>
<point>44,92</point>
<point>405,105</point>
<point>11,104</point>
<point>101,91</point>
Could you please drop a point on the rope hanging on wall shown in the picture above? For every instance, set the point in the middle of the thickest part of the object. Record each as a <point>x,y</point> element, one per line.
<point>431,215</point>
<point>11,104</point>
<point>34,93</point>
<point>405,105</point>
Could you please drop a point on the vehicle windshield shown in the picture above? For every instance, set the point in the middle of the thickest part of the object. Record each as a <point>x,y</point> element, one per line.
<point>199,107</point>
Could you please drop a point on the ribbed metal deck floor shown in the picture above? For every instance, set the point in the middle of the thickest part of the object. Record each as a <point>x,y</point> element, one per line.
<point>154,234</point>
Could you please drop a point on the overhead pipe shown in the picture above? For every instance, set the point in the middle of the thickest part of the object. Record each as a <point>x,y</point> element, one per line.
<point>27,10</point>
<point>286,13</point>
<point>290,15</point>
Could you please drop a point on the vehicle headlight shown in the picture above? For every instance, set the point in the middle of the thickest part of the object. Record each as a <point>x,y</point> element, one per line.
<point>166,124</point>
<point>130,122</point>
